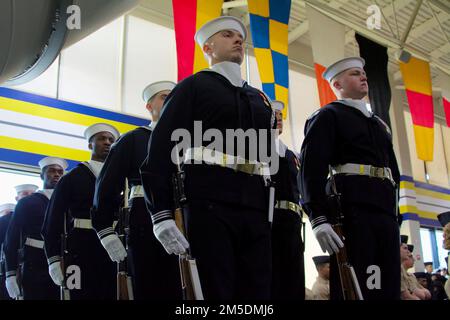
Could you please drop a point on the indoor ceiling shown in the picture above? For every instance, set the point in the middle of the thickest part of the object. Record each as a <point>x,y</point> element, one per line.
<point>428,37</point>
<point>424,25</point>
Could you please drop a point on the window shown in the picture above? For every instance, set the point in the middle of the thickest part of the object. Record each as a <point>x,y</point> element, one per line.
<point>432,250</point>
<point>10,179</point>
<point>150,56</point>
<point>90,69</point>
<point>442,253</point>
<point>425,239</point>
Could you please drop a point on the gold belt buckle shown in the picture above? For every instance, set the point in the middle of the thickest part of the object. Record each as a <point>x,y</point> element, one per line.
<point>295,207</point>
<point>245,167</point>
<point>288,205</point>
<point>292,206</point>
<point>377,172</point>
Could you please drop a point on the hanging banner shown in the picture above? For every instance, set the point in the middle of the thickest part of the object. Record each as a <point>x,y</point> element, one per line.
<point>444,83</point>
<point>376,57</point>
<point>417,80</point>
<point>189,16</point>
<point>269,28</point>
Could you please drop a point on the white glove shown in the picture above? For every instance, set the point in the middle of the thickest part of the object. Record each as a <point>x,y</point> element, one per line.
<point>328,239</point>
<point>170,237</point>
<point>12,287</point>
<point>56,273</point>
<point>114,247</point>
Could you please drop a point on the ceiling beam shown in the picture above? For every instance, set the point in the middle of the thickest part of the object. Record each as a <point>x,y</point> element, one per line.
<point>440,5</point>
<point>303,27</point>
<point>298,31</point>
<point>393,43</point>
<point>388,10</point>
<point>442,50</point>
<point>421,29</point>
<point>426,26</point>
<point>336,4</point>
<point>411,21</point>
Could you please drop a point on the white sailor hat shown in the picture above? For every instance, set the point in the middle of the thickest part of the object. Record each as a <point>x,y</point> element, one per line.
<point>100,127</point>
<point>26,187</point>
<point>222,23</point>
<point>277,105</point>
<point>6,207</point>
<point>53,160</point>
<point>342,65</point>
<point>156,87</point>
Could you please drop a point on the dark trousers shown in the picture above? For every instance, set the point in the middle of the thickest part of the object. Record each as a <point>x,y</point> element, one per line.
<point>371,239</point>
<point>3,292</point>
<point>232,246</point>
<point>156,274</point>
<point>288,274</point>
<point>98,271</point>
<point>36,281</point>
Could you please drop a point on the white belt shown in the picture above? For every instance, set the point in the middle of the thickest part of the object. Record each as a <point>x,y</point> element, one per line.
<point>86,223</point>
<point>82,223</point>
<point>228,161</point>
<point>365,170</point>
<point>34,243</point>
<point>137,192</point>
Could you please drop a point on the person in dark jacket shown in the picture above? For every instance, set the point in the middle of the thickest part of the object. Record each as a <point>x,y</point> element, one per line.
<point>347,142</point>
<point>155,273</point>
<point>228,228</point>
<point>94,274</point>
<point>24,245</point>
